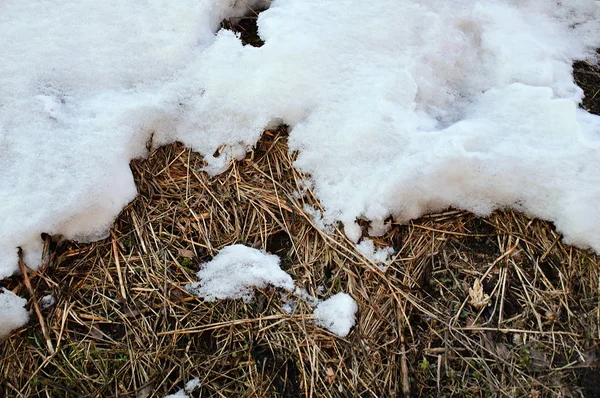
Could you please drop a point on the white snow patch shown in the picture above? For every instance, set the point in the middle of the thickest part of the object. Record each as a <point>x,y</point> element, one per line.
<point>337,314</point>
<point>304,186</point>
<point>397,107</point>
<point>47,301</point>
<point>375,254</point>
<point>319,220</point>
<point>83,86</point>
<point>179,394</point>
<point>306,296</point>
<point>13,314</point>
<point>235,271</point>
<point>289,306</point>
<point>378,228</point>
<point>190,386</point>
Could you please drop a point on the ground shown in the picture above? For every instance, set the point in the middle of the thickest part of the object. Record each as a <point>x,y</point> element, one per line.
<point>123,325</point>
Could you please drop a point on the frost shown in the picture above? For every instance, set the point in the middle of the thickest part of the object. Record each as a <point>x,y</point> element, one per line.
<point>13,314</point>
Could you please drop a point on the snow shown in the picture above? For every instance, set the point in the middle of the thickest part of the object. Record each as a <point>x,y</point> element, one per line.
<point>179,394</point>
<point>396,107</point>
<point>190,386</point>
<point>289,306</point>
<point>377,255</point>
<point>319,220</point>
<point>47,301</point>
<point>13,314</point>
<point>235,271</point>
<point>308,298</point>
<point>337,314</point>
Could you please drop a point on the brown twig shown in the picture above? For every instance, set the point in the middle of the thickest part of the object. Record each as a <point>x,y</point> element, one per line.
<point>36,307</point>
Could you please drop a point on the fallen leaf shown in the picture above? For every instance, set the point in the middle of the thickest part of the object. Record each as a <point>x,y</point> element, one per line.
<point>97,333</point>
<point>502,351</point>
<point>479,299</point>
<point>186,253</point>
<point>330,375</point>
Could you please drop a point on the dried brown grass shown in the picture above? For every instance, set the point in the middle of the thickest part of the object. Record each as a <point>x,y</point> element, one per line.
<point>123,325</point>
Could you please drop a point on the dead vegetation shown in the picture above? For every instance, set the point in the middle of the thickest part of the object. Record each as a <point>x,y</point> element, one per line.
<point>122,325</point>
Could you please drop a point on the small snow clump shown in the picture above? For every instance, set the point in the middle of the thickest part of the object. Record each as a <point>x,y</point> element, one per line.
<point>337,314</point>
<point>47,301</point>
<point>13,314</point>
<point>375,254</point>
<point>235,271</point>
<point>190,386</point>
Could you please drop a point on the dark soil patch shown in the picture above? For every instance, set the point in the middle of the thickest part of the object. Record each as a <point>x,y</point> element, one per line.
<point>247,29</point>
<point>550,271</point>
<point>279,244</point>
<point>207,343</point>
<point>587,76</point>
<point>116,331</point>
<point>589,380</point>
<point>482,240</point>
<point>280,368</point>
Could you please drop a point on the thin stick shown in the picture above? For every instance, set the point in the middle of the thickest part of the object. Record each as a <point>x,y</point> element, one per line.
<point>116,253</point>
<point>23,268</point>
<point>403,361</point>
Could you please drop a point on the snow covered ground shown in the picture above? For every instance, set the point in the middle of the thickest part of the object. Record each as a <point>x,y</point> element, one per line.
<point>396,107</point>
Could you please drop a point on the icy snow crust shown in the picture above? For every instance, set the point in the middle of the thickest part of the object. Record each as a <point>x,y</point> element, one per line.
<point>397,107</point>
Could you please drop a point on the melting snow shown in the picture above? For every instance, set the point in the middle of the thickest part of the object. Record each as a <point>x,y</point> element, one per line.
<point>190,386</point>
<point>397,107</point>
<point>13,314</point>
<point>337,314</point>
<point>236,270</point>
<point>375,254</point>
<point>47,301</point>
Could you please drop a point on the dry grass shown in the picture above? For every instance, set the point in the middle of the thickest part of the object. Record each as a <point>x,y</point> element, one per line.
<point>123,325</point>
